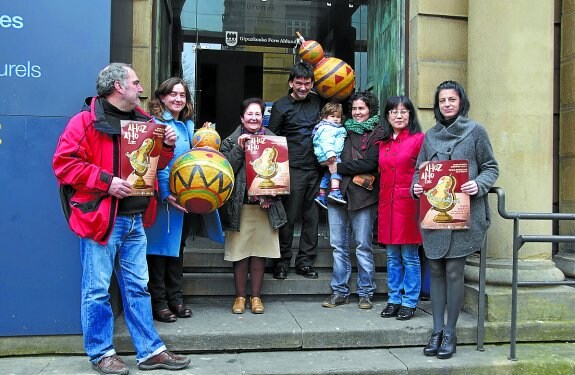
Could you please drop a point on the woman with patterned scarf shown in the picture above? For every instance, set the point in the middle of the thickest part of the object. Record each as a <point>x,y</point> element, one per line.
<point>360,187</point>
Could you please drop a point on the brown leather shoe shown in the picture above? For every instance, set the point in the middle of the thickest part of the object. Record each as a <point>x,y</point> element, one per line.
<point>165,360</point>
<point>111,365</point>
<point>181,311</point>
<point>239,305</point>
<point>257,305</point>
<point>165,316</point>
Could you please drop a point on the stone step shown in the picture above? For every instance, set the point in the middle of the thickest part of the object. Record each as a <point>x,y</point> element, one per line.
<point>206,273</point>
<point>292,323</point>
<point>211,259</point>
<point>301,323</point>
<point>536,358</point>
<point>222,283</point>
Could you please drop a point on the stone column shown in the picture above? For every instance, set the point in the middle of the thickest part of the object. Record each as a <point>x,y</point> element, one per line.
<point>565,259</point>
<point>142,53</point>
<point>510,87</point>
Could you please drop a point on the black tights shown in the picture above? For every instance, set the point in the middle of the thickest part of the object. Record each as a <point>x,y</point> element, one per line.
<point>447,287</point>
<point>256,267</point>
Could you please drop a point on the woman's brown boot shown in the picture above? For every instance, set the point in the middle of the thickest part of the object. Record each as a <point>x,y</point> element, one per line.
<point>239,305</point>
<point>257,305</point>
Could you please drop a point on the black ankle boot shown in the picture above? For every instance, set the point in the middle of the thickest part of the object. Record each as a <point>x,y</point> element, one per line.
<point>434,341</point>
<point>448,346</point>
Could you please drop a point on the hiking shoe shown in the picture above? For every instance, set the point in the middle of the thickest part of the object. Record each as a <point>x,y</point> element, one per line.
<point>321,201</point>
<point>336,197</point>
<point>365,303</point>
<point>405,313</point>
<point>111,365</point>
<point>390,310</point>
<point>335,300</point>
<point>165,360</point>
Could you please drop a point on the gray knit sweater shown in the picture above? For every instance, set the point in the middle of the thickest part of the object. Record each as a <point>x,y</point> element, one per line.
<point>464,139</point>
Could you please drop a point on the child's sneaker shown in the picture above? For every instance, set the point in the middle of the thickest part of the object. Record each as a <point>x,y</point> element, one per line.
<point>335,196</point>
<point>320,199</point>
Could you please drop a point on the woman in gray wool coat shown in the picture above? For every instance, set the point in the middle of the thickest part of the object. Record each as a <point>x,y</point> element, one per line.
<point>454,137</point>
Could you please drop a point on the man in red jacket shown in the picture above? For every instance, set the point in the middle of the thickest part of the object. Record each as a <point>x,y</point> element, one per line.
<point>109,221</point>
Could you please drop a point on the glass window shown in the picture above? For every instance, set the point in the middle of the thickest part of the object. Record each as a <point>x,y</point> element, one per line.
<point>203,15</point>
<point>359,23</point>
<point>232,46</point>
<point>301,26</point>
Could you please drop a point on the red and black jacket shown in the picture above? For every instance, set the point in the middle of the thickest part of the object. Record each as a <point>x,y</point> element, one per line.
<point>86,159</point>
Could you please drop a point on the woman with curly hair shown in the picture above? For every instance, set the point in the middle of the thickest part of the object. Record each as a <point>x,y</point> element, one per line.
<point>359,187</point>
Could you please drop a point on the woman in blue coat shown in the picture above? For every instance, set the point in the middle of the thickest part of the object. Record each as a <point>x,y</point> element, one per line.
<point>171,105</point>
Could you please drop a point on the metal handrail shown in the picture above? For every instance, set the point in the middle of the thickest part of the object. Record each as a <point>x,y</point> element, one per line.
<point>518,241</point>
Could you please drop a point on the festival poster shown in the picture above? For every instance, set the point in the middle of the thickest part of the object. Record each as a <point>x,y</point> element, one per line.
<point>442,204</point>
<point>267,165</point>
<point>140,148</point>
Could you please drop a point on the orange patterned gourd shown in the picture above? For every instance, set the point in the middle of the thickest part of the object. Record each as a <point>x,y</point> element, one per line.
<point>202,180</point>
<point>206,137</point>
<point>334,78</point>
<point>311,52</point>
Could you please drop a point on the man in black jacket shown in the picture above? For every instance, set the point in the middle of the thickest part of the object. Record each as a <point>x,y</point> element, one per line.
<point>294,117</point>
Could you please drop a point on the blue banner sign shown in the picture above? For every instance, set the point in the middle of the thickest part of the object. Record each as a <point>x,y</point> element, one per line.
<point>51,54</point>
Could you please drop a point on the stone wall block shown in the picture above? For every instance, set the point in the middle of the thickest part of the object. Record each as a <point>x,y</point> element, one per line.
<point>454,8</point>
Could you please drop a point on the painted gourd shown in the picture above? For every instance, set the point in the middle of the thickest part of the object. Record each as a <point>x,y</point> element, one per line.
<point>206,137</point>
<point>311,52</point>
<point>202,180</point>
<point>334,78</point>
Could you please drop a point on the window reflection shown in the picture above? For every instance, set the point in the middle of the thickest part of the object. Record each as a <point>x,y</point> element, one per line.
<point>203,15</point>
<point>228,43</point>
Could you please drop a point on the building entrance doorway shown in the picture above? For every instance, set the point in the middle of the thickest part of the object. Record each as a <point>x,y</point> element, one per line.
<point>235,49</point>
<point>224,80</point>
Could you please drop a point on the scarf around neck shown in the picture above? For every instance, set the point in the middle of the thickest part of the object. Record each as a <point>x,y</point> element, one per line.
<point>362,127</point>
<point>261,131</point>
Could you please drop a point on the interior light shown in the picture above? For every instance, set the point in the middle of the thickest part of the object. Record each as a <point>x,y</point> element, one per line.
<point>328,3</point>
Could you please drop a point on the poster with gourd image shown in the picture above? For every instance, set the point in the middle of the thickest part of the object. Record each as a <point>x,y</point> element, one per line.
<point>442,204</point>
<point>140,148</point>
<point>267,165</point>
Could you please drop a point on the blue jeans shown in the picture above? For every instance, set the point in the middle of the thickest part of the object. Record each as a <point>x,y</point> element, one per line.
<point>342,224</point>
<point>403,273</point>
<point>327,177</point>
<point>124,253</point>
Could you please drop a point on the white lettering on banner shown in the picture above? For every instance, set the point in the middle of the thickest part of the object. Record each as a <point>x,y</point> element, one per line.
<point>26,70</point>
<point>20,70</point>
<point>6,22</point>
<point>262,39</point>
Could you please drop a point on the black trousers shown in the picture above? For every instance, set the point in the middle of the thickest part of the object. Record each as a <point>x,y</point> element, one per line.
<point>300,206</point>
<point>166,275</point>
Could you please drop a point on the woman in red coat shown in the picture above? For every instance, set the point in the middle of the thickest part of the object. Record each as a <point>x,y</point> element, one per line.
<point>397,210</point>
